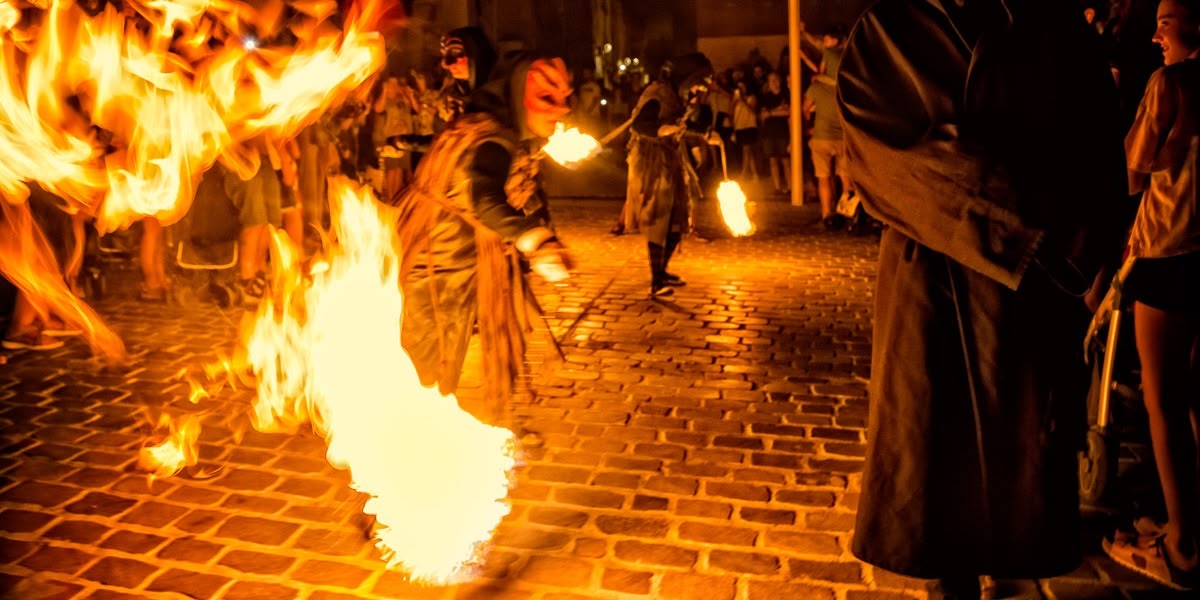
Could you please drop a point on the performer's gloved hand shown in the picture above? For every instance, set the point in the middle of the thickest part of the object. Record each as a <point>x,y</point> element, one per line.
<point>669,130</point>
<point>551,261</point>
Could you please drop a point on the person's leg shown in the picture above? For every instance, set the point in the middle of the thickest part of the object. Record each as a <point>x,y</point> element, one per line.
<point>74,262</point>
<point>23,330</point>
<point>293,224</point>
<point>657,254</point>
<point>1164,343</point>
<point>825,193</point>
<point>669,278</point>
<point>151,254</point>
<point>776,176</point>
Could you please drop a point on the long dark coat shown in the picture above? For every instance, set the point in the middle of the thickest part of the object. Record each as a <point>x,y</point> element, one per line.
<point>983,138</point>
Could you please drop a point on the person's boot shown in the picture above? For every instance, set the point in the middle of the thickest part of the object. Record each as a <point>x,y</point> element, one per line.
<point>658,277</point>
<point>669,278</point>
<point>955,588</point>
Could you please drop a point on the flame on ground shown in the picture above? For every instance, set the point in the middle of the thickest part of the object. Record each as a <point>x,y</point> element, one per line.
<point>570,146</point>
<point>733,208</point>
<point>326,350</point>
<point>177,451</point>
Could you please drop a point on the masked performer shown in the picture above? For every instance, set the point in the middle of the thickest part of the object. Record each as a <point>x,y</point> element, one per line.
<point>982,132</point>
<point>662,183</point>
<point>468,57</point>
<point>473,219</point>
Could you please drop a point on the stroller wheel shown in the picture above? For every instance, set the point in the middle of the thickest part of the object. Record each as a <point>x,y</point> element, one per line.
<point>222,295</point>
<point>1097,465</point>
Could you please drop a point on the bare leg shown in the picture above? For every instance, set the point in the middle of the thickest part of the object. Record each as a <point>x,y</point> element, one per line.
<point>776,176</point>
<point>1164,343</point>
<point>825,193</point>
<point>152,255</point>
<point>293,224</point>
<point>252,251</point>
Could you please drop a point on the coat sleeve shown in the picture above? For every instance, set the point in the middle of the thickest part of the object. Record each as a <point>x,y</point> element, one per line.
<point>488,171</point>
<point>900,85</point>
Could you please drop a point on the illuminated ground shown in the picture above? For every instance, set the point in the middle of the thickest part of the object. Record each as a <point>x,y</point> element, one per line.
<point>705,447</point>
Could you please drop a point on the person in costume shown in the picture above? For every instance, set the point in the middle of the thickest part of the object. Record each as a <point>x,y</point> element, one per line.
<point>468,57</point>
<point>662,184</point>
<point>473,221</point>
<point>984,134</point>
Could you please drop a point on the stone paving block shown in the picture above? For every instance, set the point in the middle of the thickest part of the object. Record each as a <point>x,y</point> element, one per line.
<point>119,572</point>
<point>188,583</point>
<point>705,447</point>
<point>691,586</point>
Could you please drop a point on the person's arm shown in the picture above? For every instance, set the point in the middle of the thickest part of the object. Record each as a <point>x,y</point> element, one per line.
<point>1143,145</point>
<point>906,159</point>
<point>488,172</point>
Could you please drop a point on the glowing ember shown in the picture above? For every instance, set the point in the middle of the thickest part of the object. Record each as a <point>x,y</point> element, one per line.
<point>568,147</point>
<point>330,354</point>
<point>733,208</point>
<point>176,452</point>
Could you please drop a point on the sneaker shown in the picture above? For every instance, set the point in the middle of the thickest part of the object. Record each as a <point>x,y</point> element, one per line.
<point>673,280</point>
<point>60,329</point>
<point>32,340</point>
<point>659,291</point>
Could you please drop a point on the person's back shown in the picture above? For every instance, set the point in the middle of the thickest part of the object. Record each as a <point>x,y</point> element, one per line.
<point>983,134</point>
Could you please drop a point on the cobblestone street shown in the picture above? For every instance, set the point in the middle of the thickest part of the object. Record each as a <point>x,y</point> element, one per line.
<point>704,446</point>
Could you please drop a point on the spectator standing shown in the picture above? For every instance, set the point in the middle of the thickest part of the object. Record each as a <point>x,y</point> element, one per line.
<point>775,132</point>
<point>983,134</point>
<point>1163,154</point>
<point>828,148</point>
<point>745,128</point>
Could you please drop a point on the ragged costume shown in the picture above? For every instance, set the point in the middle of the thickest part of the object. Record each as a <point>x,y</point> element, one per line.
<point>474,212</point>
<point>982,133</point>
<point>662,184</point>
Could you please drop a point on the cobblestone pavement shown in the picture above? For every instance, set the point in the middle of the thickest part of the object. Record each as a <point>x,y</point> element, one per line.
<point>704,447</point>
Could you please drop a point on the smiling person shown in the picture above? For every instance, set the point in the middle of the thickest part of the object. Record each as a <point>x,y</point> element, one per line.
<point>473,220</point>
<point>1163,154</point>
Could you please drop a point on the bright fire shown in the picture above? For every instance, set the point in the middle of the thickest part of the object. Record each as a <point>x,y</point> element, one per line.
<point>175,452</point>
<point>733,208</point>
<point>179,84</point>
<point>171,104</point>
<point>570,146</point>
<point>329,353</point>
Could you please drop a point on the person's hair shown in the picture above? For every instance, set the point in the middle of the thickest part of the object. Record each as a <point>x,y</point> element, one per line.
<point>1192,8</point>
<point>838,31</point>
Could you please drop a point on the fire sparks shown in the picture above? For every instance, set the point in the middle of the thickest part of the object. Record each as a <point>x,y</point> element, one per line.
<point>330,354</point>
<point>569,147</point>
<point>733,208</point>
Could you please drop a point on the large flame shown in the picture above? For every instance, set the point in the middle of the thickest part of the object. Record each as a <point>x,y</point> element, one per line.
<point>733,208</point>
<point>326,350</point>
<point>569,147</point>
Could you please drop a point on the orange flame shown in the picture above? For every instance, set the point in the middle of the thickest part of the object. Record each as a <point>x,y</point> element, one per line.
<point>172,107</point>
<point>326,350</point>
<point>569,147</point>
<point>177,451</point>
<point>732,201</point>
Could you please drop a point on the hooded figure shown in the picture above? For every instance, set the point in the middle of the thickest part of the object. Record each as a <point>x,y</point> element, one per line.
<point>469,58</point>
<point>662,185</point>
<point>982,133</point>
<point>474,217</point>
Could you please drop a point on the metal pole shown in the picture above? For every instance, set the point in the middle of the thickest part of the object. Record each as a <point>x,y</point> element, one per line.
<point>797,122</point>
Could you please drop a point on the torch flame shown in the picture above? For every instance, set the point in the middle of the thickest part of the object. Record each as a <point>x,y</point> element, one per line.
<point>733,208</point>
<point>329,353</point>
<point>569,147</point>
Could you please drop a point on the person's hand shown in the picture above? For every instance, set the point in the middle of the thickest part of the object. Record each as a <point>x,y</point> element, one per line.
<point>551,261</point>
<point>669,130</point>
